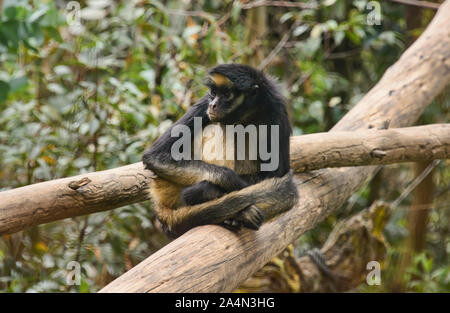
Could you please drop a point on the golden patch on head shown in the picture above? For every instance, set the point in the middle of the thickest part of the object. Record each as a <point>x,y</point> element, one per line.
<point>220,81</point>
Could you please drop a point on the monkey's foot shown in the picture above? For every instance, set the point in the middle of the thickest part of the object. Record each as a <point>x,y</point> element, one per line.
<point>232,225</point>
<point>251,217</point>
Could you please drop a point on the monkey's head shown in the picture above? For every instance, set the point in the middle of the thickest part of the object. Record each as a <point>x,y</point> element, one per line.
<point>234,90</point>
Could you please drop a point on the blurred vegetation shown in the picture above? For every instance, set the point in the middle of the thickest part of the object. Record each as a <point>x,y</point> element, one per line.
<point>87,90</point>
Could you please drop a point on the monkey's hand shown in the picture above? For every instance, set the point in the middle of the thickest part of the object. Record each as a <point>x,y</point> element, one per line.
<point>251,217</point>
<point>202,192</point>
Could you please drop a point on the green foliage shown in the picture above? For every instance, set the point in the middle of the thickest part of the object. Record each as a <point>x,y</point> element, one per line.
<point>424,277</point>
<point>90,94</point>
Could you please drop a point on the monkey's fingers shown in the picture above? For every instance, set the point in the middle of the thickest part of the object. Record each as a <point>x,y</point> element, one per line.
<point>232,225</point>
<point>251,217</point>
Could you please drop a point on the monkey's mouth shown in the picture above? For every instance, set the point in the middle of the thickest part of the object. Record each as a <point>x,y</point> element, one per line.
<point>214,116</point>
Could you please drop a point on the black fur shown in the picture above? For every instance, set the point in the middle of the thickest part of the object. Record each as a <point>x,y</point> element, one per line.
<point>202,192</point>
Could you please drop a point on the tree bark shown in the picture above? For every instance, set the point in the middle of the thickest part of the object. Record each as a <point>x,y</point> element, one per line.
<point>419,4</point>
<point>422,202</point>
<point>83,194</point>
<point>256,27</point>
<point>370,147</point>
<point>45,202</point>
<point>213,259</point>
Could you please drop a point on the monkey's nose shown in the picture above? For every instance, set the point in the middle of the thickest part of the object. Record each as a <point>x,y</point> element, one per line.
<point>213,103</point>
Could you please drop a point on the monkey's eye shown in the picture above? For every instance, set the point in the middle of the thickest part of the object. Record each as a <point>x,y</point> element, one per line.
<point>212,94</point>
<point>229,95</point>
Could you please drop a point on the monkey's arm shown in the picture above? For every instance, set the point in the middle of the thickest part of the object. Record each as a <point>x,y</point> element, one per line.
<point>204,191</point>
<point>158,158</point>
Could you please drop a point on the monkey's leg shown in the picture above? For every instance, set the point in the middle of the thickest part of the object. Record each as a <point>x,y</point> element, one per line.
<point>253,216</point>
<point>272,196</point>
<point>283,197</point>
<point>202,192</point>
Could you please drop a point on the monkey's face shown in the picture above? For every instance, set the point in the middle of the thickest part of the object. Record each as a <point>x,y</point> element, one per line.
<point>222,103</point>
<point>226,102</point>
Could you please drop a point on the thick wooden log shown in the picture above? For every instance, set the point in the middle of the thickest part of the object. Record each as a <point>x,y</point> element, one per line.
<point>370,147</point>
<point>212,259</point>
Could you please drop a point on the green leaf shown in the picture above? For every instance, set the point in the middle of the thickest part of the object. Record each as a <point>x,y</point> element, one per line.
<point>17,83</point>
<point>316,110</point>
<point>353,37</point>
<point>94,125</point>
<point>300,29</point>
<point>332,24</point>
<point>149,76</point>
<point>53,33</point>
<point>9,13</point>
<point>62,70</point>
<point>37,14</point>
<point>84,287</point>
<point>338,37</point>
<point>56,88</point>
<point>236,10</point>
<point>286,16</point>
<point>328,3</point>
<point>317,31</point>
<point>334,101</point>
<point>84,128</point>
<point>191,30</point>
<point>81,162</point>
<point>133,89</point>
<point>51,18</point>
<point>311,46</point>
<point>11,32</point>
<point>4,89</point>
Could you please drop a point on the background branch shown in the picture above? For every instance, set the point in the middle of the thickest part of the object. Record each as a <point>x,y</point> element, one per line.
<point>417,3</point>
<point>286,4</point>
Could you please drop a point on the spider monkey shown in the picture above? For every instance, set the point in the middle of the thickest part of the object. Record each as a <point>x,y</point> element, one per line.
<point>231,191</point>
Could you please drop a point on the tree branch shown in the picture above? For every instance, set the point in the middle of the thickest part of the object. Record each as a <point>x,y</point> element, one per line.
<point>286,4</point>
<point>418,3</point>
<point>370,147</point>
<point>50,201</point>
